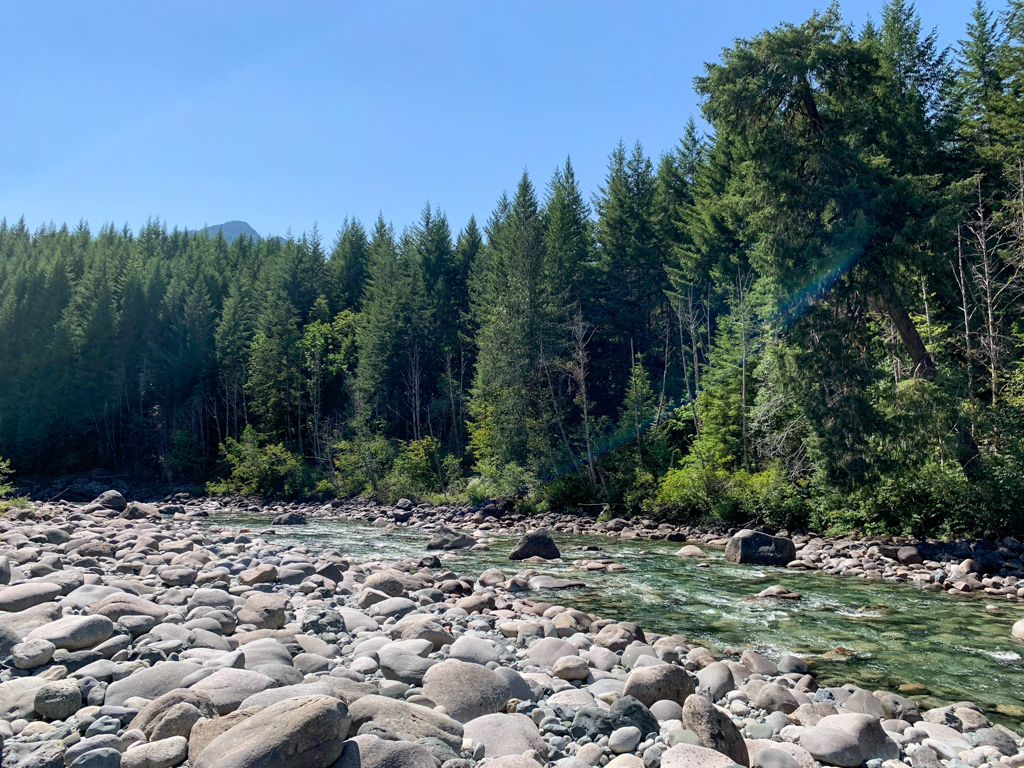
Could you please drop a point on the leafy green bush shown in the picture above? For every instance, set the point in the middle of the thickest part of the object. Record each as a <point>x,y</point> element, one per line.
<point>261,469</point>
<point>362,465</point>
<point>639,497</point>
<point>417,469</point>
<point>8,501</point>
<point>930,500</point>
<point>698,487</point>
<point>6,488</point>
<point>497,481</point>
<point>703,487</point>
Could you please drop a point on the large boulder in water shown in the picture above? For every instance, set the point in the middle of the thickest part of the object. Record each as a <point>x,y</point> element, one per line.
<point>759,549</point>
<point>535,544</point>
<point>446,538</point>
<point>1018,630</point>
<point>290,518</point>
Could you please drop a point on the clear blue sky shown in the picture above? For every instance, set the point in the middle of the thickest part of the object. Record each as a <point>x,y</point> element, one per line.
<point>289,113</point>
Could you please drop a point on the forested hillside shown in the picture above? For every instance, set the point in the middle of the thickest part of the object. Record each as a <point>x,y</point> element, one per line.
<point>811,315</point>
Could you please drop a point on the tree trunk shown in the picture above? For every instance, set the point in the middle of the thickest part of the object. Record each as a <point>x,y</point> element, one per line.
<point>886,302</point>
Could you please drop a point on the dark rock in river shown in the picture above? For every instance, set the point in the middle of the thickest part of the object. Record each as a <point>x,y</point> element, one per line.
<point>446,538</point>
<point>535,544</point>
<point>290,518</point>
<point>759,549</point>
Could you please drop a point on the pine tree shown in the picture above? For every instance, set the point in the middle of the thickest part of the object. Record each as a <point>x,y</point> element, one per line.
<point>1008,116</point>
<point>631,259</point>
<point>377,335</point>
<point>568,246</point>
<point>978,81</point>
<point>508,312</point>
<point>347,266</point>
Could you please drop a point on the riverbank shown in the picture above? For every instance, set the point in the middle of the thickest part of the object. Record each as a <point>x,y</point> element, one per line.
<point>186,640</point>
<point>991,568</point>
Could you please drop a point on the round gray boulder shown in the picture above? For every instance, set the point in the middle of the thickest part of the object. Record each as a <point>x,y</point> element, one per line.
<point>466,691</point>
<point>651,684</point>
<point>58,699</point>
<point>503,734</point>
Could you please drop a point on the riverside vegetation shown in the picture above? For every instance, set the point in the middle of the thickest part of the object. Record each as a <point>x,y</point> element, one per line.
<point>810,316</point>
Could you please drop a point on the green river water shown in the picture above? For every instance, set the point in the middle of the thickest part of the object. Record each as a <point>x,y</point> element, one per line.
<point>876,634</point>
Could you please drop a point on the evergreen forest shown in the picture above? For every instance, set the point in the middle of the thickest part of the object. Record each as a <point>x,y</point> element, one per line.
<point>809,312</point>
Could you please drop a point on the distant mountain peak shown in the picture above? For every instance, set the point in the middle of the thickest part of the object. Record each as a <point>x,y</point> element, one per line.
<point>232,229</point>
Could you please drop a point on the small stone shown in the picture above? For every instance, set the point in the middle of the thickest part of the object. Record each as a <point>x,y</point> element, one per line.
<point>773,758</point>
<point>32,653</point>
<point>103,757</point>
<point>58,700</point>
<point>624,739</point>
<point>571,668</point>
<point>165,753</point>
<point>691,551</point>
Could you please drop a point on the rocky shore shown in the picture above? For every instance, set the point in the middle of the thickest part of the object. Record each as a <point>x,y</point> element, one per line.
<point>148,636</point>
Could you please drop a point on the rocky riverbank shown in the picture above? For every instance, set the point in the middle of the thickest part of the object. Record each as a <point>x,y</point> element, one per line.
<point>147,637</point>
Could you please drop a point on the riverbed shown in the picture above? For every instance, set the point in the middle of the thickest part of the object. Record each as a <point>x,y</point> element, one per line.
<point>876,634</point>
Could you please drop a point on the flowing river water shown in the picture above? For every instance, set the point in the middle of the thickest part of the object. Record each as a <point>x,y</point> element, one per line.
<point>875,634</point>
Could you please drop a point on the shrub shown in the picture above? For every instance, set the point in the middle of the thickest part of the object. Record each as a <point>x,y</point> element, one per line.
<point>497,481</point>
<point>702,486</point>
<point>933,499</point>
<point>7,500</point>
<point>639,497</point>
<point>698,487</point>
<point>362,465</point>
<point>417,469</point>
<point>260,469</point>
<point>6,488</point>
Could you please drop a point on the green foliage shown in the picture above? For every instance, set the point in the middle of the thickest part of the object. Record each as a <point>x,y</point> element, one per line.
<point>497,481</point>
<point>6,488</point>
<point>638,498</point>
<point>260,468</point>
<point>703,488</point>
<point>420,468</point>
<point>362,464</point>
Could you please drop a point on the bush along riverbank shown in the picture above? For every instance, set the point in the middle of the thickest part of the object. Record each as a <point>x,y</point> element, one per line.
<point>146,637</point>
